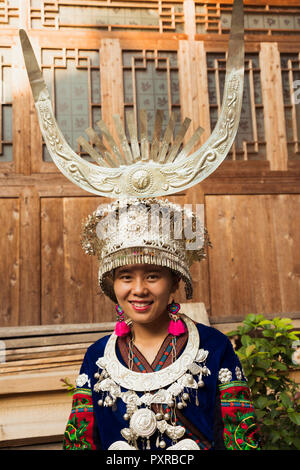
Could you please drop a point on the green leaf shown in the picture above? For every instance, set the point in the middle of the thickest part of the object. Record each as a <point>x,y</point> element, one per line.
<point>265,322</point>
<point>250,349</point>
<point>279,365</point>
<point>246,340</point>
<point>260,373</point>
<point>260,413</point>
<point>263,363</point>
<point>294,417</point>
<point>293,336</point>
<point>269,422</point>
<point>274,377</point>
<point>268,333</point>
<point>285,400</point>
<point>296,442</point>
<point>251,317</point>
<point>261,402</point>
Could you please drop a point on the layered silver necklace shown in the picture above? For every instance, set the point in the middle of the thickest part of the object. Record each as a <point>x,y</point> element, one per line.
<point>173,386</point>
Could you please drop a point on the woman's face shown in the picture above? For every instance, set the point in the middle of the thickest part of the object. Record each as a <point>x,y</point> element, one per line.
<point>143,291</point>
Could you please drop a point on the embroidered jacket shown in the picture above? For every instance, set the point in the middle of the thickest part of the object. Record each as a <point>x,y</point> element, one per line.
<point>218,416</point>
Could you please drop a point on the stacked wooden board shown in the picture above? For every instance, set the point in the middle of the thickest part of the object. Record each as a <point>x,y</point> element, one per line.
<point>34,403</point>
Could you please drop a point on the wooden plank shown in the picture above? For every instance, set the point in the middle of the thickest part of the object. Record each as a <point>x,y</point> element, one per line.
<point>42,414</point>
<point>45,330</point>
<point>52,261</point>
<point>194,87</point>
<point>40,361</point>
<point>10,261</point>
<point>247,273</point>
<point>17,354</point>
<point>39,367</point>
<point>77,265</point>
<point>70,293</point>
<point>21,95</point>
<point>189,19</point>
<point>217,213</point>
<point>274,118</point>
<point>111,82</point>
<point>52,340</point>
<point>29,308</point>
<point>287,242</point>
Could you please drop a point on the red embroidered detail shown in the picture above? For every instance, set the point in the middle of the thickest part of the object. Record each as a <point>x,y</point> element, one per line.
<point>241,431</point>
<point>79,431</point>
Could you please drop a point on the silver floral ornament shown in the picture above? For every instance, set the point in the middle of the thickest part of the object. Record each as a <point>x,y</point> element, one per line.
<point>82,379</point>
<point>225,375</point>
<point>238,373</point>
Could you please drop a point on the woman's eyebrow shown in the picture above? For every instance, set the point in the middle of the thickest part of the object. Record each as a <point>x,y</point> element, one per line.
<point>122,271</point>
<point>129,270</point>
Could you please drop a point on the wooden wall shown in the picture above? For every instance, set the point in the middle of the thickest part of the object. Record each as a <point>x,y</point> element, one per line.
<point>109,58</point>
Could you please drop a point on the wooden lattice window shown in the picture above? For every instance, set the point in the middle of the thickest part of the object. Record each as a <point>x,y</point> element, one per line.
<point>290,72</point>
<point>73,79</point>
<point>9,13</point>
<point>110,15</point>
<point>151,83</point>
<point>215,18</point>
<point>6,140</point>
<point>250,141</point>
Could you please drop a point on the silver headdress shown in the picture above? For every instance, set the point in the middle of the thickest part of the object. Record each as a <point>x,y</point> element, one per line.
<point>134,169</point>
<point>144,231</point>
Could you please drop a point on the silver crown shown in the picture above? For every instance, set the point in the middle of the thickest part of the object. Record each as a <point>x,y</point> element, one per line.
<point>130,166</point>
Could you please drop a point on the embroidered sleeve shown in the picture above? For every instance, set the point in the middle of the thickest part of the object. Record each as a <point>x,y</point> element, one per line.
<point>240,431</point>
<point>79,433</point>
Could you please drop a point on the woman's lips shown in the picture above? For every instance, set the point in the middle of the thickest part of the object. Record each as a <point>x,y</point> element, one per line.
<point>141,306</point>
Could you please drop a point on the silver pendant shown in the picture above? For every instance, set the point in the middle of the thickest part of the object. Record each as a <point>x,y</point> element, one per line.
<point>185,444</point>
<point>143,423</point>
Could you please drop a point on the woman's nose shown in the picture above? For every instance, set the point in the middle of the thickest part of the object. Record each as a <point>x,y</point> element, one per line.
<point>139,287</point>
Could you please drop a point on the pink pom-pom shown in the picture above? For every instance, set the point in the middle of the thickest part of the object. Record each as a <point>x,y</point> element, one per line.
<point>121,328</point>
<point>177,328</point>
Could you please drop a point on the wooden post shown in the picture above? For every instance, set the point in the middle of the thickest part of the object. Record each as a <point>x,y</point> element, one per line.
<point>193,86</point>
<point>112,98</point>
<point>189,18</point>
<point>30,261</point>
<point>21,101</point>
<point>274,119</point>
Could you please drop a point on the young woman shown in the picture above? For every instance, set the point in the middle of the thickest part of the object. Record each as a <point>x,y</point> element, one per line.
<point>160,380</point>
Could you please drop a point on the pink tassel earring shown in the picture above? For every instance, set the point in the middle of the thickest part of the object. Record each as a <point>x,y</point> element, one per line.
<point>176,326</point>
<point>121,328</point>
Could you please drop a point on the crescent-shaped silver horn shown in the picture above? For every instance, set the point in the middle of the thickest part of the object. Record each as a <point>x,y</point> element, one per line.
<point>133,169</point>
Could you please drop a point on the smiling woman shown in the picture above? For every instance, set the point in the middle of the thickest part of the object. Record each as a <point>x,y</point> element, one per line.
<point>160,380</point>
<point>144,289</point>
<point>143,293</point>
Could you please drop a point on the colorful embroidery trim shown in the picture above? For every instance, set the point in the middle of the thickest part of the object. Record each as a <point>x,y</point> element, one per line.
<point>240,429</point>
<point>79,431</point>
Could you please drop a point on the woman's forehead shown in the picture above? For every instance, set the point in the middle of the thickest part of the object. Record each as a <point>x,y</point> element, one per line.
<point>141,268</point>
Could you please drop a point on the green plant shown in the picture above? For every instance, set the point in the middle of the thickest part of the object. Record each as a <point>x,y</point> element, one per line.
<point>68,385</point>
<point>265,349</point>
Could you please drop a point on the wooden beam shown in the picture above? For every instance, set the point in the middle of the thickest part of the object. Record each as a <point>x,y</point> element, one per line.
<point>189,19</point>
<point>194,87</point>
<point>21,94</point>
<point>274,118</point>
<point>30,257</point>
<point>34,415</point>
<point>112,100</point>
<point>10,266</point>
